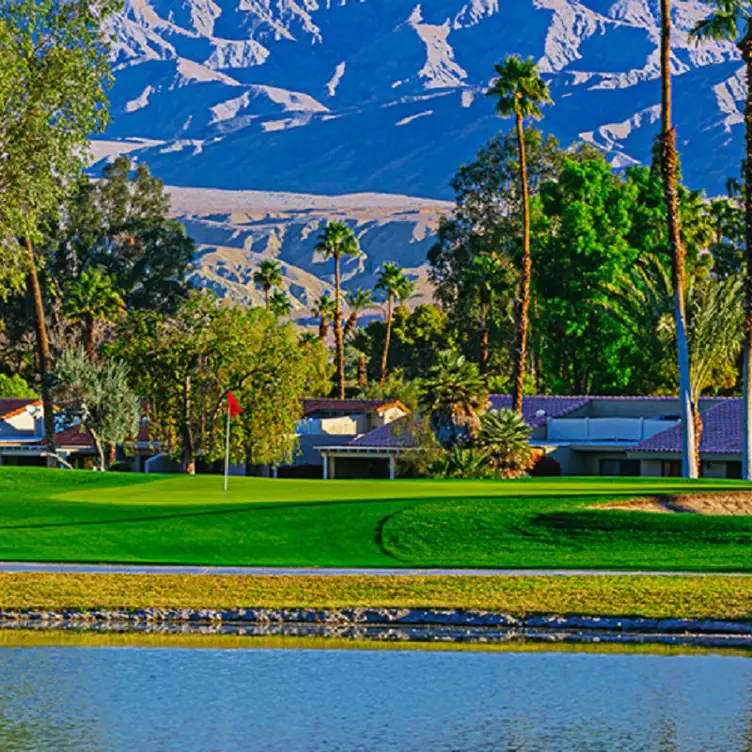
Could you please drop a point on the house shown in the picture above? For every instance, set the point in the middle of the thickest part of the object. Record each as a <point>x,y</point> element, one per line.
<point>22,440</point>
<point>336,423</point>
<point>596,435</point>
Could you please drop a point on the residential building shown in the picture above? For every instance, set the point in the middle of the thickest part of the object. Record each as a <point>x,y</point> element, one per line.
<point>593,435</point>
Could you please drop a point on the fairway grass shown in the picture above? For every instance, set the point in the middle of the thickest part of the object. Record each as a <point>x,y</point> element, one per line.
<point>688,597</point>
<point>69,516</point>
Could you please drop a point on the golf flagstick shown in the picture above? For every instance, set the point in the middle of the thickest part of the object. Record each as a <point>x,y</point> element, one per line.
<point>233,410</point>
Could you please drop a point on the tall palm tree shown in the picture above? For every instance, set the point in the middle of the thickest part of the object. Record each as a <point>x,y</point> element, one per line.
<point>394,283</point>
<point>267,276</point>
<point>520,92</point>
<point>323,309</point>
<point>280,305</point>
<point>357,302</point>
<point>732,20</point>
<point>91,298</point>
<point>336,241</point>
<point>668,162</point>
<point>452,395</point>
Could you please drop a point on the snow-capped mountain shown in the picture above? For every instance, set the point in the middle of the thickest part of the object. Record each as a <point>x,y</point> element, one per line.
<point>344,96</point>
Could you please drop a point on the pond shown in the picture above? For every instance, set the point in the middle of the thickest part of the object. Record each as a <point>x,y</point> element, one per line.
<point>113,694</point>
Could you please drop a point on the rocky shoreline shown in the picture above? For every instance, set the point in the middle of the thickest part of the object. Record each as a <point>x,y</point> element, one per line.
<point>419,625</point>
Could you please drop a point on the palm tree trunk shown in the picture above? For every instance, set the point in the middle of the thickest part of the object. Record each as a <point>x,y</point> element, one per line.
<point>338,330</point>
<point>43,356</point>
<point>525,273</point>
<point>388,338</point>
<point>668,168</point>
<point>266,296</point>
<point>323,328</point>
<point>89,335</point>
<point>352,322</point>
<point>484,331</point>
<point>746,48</point>
<point>697,424</point>
<point>362,371</point>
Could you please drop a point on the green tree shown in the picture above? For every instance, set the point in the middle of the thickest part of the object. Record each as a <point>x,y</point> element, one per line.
<point>395,284</point>
<point>504,438</point>
<point>417,337</point>
<point>584,222</point>
<point>336,241</point>
<point>453,394</point>
<point>15,387</point>
<point>520,91</point>
<point>89,299</point>
<point>100,397</point>
<point>323,309</point>
<point>732,20</point>
<point>357,301</point>
<point>268,276</point>
<point>121,224</point>
<point>487,222</point>
<point>53,77</point>
<point>280,305</point>
<point>185,364</point>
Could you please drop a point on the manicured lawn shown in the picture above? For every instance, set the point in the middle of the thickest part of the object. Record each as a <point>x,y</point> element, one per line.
<point>87,517</point>
<point>678,597</point>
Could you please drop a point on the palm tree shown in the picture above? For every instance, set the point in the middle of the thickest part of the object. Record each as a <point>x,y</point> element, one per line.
<point>396,285</point>
<point>452,394</point>
<point>323,309</point>
<point>715,325</point>
<point>267,276</point>
<point>91,298</point>
<point>357,302</point>
<point>279,304</point>
<point>505,439</point>
<point>336,241</point>
<point>668,162</point>
<point>520,91</point>
<point>732,20</point>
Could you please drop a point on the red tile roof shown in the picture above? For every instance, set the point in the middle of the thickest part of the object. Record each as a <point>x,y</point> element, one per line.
<point>348,406</point>
<point>75,436</point>
<point>9,408</point>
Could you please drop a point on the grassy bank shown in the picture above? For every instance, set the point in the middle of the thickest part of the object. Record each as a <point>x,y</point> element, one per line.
<point>660,597</point>
<point>88,517</point>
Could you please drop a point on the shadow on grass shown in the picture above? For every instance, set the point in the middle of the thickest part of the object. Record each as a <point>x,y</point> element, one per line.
<point>255,507</point>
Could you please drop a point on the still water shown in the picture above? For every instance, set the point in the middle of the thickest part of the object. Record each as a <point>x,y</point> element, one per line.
<point>199,699</point>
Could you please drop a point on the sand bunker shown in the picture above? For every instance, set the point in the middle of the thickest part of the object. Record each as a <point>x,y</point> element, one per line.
<point>736,503</point>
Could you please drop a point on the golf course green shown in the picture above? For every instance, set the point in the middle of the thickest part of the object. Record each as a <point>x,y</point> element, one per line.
<point>76,516</point>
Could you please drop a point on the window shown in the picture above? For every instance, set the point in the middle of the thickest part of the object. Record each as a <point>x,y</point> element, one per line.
<point>734,470</point>
<point>671,468</point>
<point>613,467</point>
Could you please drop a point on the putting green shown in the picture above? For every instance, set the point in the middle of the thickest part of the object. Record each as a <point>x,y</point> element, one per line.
<point>88,517</point>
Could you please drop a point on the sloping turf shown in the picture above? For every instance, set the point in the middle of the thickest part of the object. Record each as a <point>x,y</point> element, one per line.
<point>82,516</point>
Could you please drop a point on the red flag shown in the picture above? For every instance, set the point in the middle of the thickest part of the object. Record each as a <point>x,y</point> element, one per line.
<point>233,406</point>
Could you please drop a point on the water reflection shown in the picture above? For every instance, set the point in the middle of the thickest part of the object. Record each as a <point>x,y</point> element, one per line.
<point>115,698</point>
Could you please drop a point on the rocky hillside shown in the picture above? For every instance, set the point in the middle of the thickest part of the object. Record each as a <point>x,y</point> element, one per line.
<point>345,96</point>
<point>338,97</point>
<point>237,229</point>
